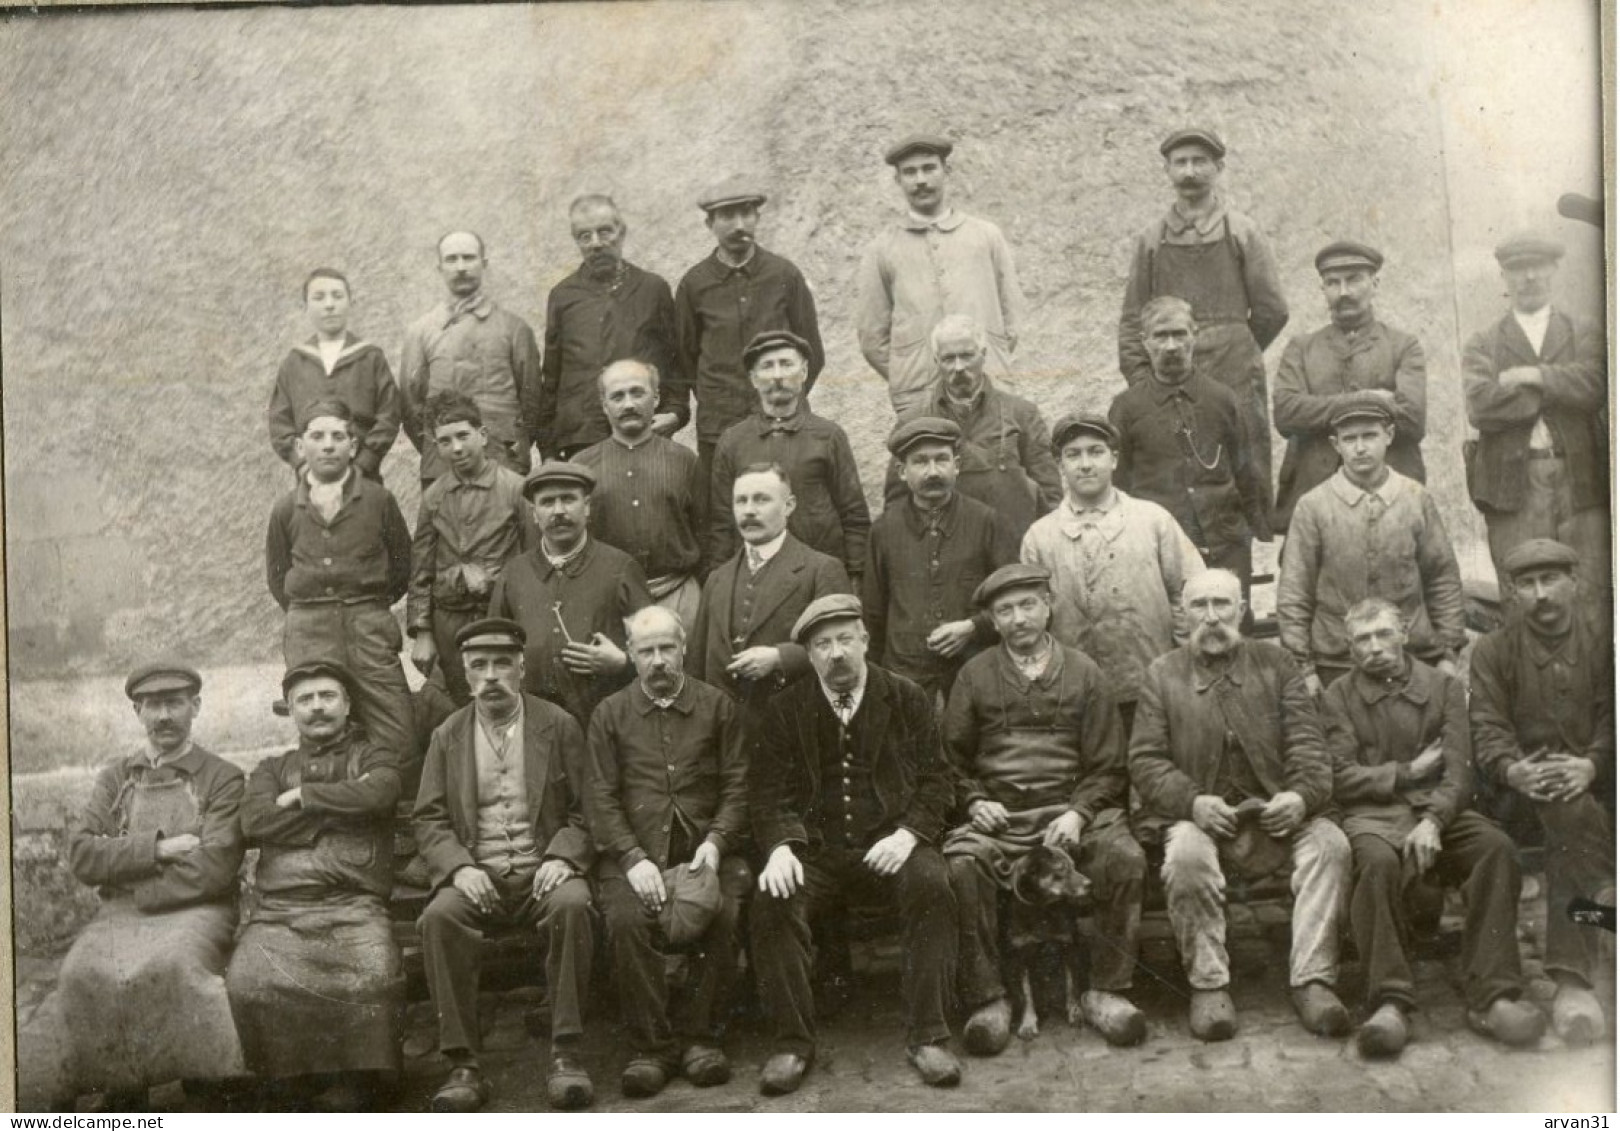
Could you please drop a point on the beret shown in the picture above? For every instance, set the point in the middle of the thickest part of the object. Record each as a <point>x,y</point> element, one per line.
<point>1361,406</point>
<point>834,606</point>
<point>1192,135</point>
<point>931,143</point>
<point>691,901</point>
<point>767,340</point>
<point>1015,576</point>
<point>1071,424</point>
<point>559,471</point>
<point>1527,245</point>
<point>163,674</point>
<point>732,190</point>
<point>492,632</point>
<point>1349,253</point>
<point>912,432</point>
<point>310,669</point>
<point>1539,552</point>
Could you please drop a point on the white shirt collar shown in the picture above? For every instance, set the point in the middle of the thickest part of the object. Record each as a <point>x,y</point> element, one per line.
<point>856,694</point>
<point>767,550</point>
<point>1534,325</point>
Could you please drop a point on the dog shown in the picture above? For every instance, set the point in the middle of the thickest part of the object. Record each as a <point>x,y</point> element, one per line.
<point>1041,937</point>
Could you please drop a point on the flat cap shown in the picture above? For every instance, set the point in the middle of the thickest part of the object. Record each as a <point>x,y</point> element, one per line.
<point>1348,253</point>
<point>1528,245</point>
<point>1361,406</point>
<point>1019,575</point>
<point>559,471</point>
<point>767,340</point>
<point>162,674</point>
<point>1072,424</point>
<point>311,669</point>
<point>692,900</point>
<point>834,606</point>
<point>492,632</point>
<point>732,190</point>
<point>913,432</point>
<point>928,143</point>
<point>1194,135</point>
<point>1539,553</point>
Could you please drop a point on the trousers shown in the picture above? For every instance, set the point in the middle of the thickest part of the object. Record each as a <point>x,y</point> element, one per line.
<point>446,623</point>
<point>364,638</point>
<point>1580,863</point>
<point>1549,512</point>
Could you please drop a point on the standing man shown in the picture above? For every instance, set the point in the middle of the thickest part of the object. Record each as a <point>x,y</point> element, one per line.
<point>667,793</point>
<point>500,821</point>
<point>1037,757</point>
<point>1536,386</point>
<point>316,982</point>
<point>725,301</point>
<point>1403,774</point>
<point>1196,758</point>
<point>649,492</point>
<point>928,554</point>
<point>743,642</point>
<point>1541,709</point>
<point>1182,445</point>
<point>571,594</point>
<point>1368,531</point>
<point>1006,452</point>
<point>471,523</point>
<point>1217,260</point>
<point>337,556</point>
<point>607,310</point>
<point>937,261</point>
<point>1117,563</point>
<point>831,514</point>
<point>143,997</point>
<point>1354,355</point>
<point>469,345</point>
<point>848,791</point>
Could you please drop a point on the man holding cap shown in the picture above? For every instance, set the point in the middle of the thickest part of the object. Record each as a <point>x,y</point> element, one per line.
<point>1037,756</point>
<point>1368,531</point>
<point>938,261</point>
<point>831,514</point>
<point>316,982</point>
<point>1353,354</point>
<point>667,799</point>
<point>607,310</point>
<point>143,1000</point>
<point>1117,562</point>
<point>1541,708</point>
<point>1536,387</point>
<point>928,552</point>
<point>1216,259</point>
<point>732,295</point>
<point>571,594</point>
<point>514,851</point>
<point>848,792</point>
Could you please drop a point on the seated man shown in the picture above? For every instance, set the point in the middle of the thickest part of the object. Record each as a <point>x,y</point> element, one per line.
<point>510,851</point>
<point>316,983</point>
<point>1542,717</point>
<point>143,997</point>
<point>1224,722</point>
<point>1397,734</point>
<point>667,788</point>
<point>847,791</point>
<point>1037,751</point>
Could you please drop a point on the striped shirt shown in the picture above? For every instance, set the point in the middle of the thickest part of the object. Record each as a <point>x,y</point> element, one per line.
<point>647,502</point>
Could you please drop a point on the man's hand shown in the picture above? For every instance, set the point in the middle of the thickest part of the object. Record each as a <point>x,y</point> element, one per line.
<point>665,423</point>
<point>706,856</point>
<point>424,652</point>
<point>1428,764</point>
<point>287,798</point>
<point>950,638</point>
<point>1446,666</point>
<point>1527,777</point>
<point>754,663</point>
<point>172,848</point>
<point>552,873</point>
<point>475,884</point>
<point>1064,829</point>
<point>598,657</point>
<point>1517,375</point>
<point>783,874</point>
<point>1566,776</point>
<point>887,855</point>
<point>1214,816</point>
<point>1313,684</point>
<point>1422,845</point>
<point>648,884</point>
<point>1283,814</point>
<point>988,816</point>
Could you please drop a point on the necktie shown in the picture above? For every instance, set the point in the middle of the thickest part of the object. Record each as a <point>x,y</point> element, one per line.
<point>756,560</point>
<point>845,706</point>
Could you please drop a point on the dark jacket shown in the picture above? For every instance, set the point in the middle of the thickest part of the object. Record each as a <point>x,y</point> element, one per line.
<point>363,554</point>
<point>360,379</point>
<point>446,812</point>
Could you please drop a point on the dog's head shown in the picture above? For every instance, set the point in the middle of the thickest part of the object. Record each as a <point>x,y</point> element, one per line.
<point>1047,875</point>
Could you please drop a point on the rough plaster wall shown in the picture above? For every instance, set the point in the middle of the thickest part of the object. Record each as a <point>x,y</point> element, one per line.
<point>170,177</point>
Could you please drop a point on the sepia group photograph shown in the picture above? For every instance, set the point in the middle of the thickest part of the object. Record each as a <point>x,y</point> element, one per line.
<point>808,556</point>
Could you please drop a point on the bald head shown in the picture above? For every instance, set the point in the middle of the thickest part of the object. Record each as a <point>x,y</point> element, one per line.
<point>656,641</point>
<point>629,397</point>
